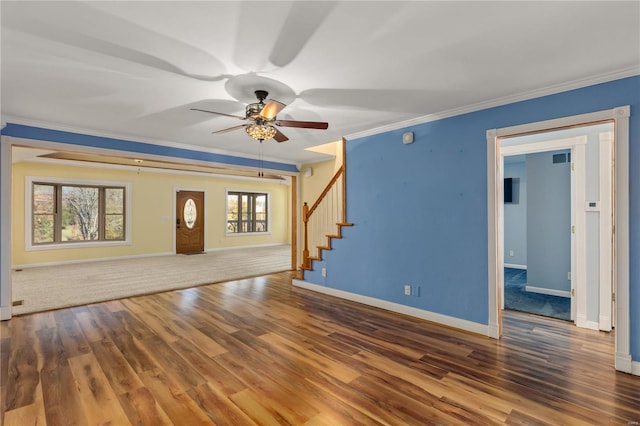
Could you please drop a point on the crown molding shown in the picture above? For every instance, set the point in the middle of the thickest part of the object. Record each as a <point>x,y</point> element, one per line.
<point>523,96</point>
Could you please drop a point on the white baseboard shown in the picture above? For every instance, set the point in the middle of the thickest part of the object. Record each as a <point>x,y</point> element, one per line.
<point>548,291</point>
<point>135,256</point>
<point>605,323</point>
<point>624,363</point>
<point>101,259</point>
<point>515,266</point>
<point>246,247</point>
<point>461,324</point>
<point>5,313</point>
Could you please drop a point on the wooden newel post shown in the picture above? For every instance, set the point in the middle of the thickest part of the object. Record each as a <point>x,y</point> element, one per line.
<point>305,252</point>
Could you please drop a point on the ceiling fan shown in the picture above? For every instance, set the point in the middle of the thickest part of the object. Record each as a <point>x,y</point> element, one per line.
<point>263,118</point>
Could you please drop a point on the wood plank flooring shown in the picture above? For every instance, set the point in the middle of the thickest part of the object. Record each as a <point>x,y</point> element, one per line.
<point>259,351</point>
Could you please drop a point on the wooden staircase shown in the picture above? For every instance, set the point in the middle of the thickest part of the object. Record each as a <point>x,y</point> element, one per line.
<point>324,220</point>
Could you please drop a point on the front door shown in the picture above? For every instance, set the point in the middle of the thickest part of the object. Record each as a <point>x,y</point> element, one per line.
<point>189,222</point>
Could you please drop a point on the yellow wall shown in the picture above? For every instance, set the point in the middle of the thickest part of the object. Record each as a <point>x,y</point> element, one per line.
<point>152,203</point>
<point>312,186</point>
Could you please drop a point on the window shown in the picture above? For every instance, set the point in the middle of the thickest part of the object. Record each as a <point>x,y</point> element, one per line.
<point>247,212</point>
<point>64,213</point>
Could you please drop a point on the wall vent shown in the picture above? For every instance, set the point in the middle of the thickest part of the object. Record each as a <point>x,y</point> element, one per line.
<point>17,303</point>
<point>559,158</point>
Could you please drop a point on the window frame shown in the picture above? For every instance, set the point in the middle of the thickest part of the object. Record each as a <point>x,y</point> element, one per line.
<point>253,194</point>
<point>30,181</point>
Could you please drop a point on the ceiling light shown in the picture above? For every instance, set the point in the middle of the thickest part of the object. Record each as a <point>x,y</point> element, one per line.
<point>261,132</point>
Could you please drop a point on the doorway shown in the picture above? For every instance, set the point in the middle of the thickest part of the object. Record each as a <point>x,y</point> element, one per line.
<point>189,222</point>
<point>620,220</point>
<point>537,233</point>
<point>590,226</point>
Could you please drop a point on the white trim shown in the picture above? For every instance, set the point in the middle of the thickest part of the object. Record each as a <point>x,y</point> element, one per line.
<point>606,230</point>
<point>558,88</point>
<point>548,291</point>
<point>514,266</point>
<point>579,237</point>
<point>458,323</point>
<point>621,225</point>
<point>604,322</point>
<point>5,224</point>
<point>581,321</point>
<point>28,208</point>
<point>5,313</point>
<point>543,146</point>
<point>100,259</point>
<point>591,325</point>
<point>624,363</point>
<point>495,228</point>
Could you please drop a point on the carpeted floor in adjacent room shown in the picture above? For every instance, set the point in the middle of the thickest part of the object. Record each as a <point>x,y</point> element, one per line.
<point>51,287</point>
<point>517,298</point>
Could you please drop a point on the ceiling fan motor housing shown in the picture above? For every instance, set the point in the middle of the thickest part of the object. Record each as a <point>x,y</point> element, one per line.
<point>253,110</point>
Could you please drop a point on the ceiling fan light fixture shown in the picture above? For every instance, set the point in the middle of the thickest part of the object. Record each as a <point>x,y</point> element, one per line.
<point>261,131</point>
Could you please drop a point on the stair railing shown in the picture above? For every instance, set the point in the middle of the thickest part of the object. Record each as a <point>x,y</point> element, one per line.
<point>323,220</point>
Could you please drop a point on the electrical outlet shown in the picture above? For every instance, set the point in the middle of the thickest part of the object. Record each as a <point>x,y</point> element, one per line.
<point>416,290</point>
<point>407,290</point>
<point>569,275</point>
<point>324,272</point>
<point>510,253</point>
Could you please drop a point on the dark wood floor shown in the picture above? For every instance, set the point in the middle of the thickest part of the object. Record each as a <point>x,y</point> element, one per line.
<point>259,351</point>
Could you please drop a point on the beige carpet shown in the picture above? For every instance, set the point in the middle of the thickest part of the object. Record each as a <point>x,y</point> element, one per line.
<point>52,287</point>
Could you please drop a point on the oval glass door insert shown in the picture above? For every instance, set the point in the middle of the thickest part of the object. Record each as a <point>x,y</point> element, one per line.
<point>190,214</point>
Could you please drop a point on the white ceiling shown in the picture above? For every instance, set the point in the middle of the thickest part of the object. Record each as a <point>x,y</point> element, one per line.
<point>133,69</point>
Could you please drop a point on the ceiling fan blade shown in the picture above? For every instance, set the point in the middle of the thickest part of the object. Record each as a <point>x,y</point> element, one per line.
<point>230,129</point>
<point>305,124</point>
<point>219,113</point>
<point>280,137</point>
<point>271,109</point>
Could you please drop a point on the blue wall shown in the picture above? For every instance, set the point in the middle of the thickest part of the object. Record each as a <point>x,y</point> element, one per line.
<point>420,210</point>
<point>49,135</point>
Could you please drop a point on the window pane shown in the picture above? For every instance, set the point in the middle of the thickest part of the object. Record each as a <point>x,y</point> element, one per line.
<point>114,227</point>
<point>42,228</point>
<point>44,197</point>
<point>114,198</point>
<point>245,213</point>
<point>261,213</point>
<point>79,213</point>
<point>232,213</point>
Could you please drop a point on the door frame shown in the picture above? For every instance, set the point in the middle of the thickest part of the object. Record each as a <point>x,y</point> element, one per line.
<point>174,217</point>
<point>620,116</point>
<point>578,247</point>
